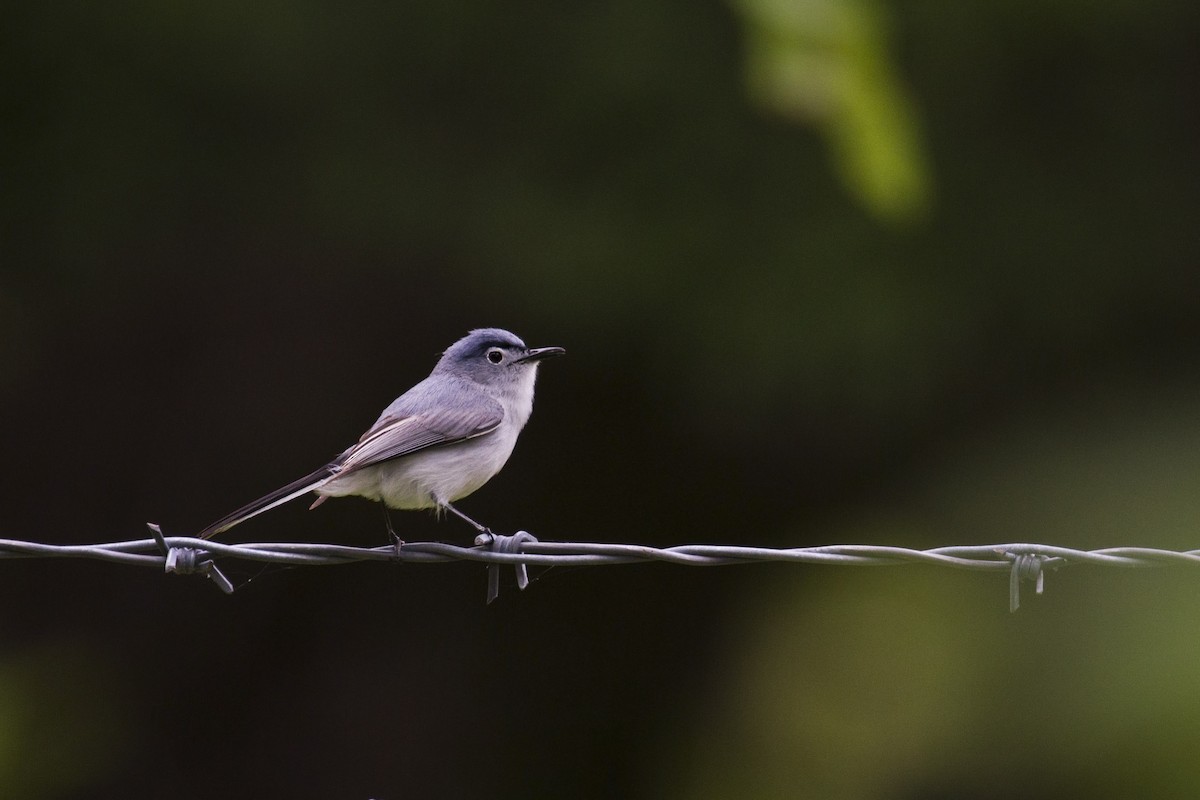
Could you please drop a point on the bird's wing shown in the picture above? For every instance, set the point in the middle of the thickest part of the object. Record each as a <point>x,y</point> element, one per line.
<point>396,436</point>
<point>393,436</point>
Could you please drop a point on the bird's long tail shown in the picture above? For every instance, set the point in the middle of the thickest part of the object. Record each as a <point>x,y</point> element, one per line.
<point>278,497</point>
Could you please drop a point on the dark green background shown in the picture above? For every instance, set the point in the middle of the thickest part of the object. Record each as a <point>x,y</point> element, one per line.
<point>835,271</point>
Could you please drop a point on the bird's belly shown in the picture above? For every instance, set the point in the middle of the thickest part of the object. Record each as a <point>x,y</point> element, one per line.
<point>447,473</point>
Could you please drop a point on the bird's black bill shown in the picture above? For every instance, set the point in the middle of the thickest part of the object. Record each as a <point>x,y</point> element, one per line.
<point>538,353</point>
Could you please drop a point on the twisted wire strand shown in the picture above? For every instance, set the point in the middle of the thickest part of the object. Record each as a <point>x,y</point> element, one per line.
<point>184,554</point>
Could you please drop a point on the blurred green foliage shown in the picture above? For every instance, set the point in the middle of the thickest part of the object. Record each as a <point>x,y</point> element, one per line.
<point>826,62</point>
<point>911,682</point>
<point>61,727</point>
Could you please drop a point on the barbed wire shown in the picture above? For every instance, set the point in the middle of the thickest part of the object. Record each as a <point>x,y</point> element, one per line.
<point>189,555</point>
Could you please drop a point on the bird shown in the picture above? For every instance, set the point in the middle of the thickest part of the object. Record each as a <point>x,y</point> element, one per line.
<point>435,444</point>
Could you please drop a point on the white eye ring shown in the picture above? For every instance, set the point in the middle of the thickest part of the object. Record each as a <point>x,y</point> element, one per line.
<point>495,355</point>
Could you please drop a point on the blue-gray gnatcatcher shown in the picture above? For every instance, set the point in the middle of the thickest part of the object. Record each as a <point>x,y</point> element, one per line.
<point>437,442</point>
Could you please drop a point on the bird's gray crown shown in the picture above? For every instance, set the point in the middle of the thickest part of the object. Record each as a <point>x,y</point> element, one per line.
<point>479,341</point>
<point>490,356</point>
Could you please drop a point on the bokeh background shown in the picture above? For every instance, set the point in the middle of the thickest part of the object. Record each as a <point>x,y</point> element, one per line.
<point>828,271</point>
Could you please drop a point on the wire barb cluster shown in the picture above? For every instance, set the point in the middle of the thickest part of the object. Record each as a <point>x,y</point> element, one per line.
<point>188,555</point>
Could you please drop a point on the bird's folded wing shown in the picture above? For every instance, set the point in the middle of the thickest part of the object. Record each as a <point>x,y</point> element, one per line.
<point>396,436</point>
<point>391,437</point>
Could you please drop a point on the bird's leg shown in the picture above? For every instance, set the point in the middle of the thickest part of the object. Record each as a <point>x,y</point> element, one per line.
<point>387,519</point>
<point>444,504</point>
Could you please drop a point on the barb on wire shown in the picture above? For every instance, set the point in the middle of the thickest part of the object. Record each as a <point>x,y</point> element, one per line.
<point>189,560</point>
<point>185,555</point>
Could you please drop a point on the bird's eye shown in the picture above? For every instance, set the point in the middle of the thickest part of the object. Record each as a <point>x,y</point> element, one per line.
<point>495,356</point>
